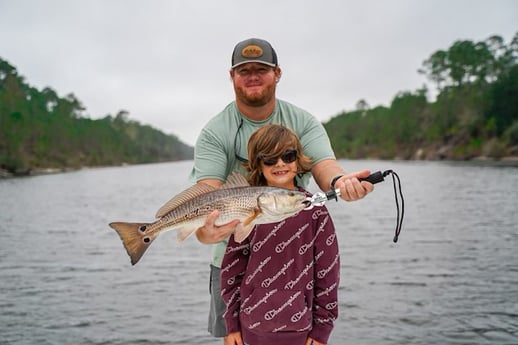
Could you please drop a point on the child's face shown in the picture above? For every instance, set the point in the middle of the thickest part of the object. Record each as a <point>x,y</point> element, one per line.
<point>280,171</point>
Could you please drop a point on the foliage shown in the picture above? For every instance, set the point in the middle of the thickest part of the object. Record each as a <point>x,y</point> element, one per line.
<point>475,112</point>
<point>39,129</point>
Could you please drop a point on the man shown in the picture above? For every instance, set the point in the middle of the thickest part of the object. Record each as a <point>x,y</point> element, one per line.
<point>221,148</point>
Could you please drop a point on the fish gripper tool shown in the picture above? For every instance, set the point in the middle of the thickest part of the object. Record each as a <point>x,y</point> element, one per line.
<point>320,198</point>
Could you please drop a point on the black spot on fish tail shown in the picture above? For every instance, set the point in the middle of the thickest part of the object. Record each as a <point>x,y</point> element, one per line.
<point>133,237</point>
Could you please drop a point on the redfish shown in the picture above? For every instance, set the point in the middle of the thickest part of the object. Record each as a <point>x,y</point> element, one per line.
<point>187,212</point>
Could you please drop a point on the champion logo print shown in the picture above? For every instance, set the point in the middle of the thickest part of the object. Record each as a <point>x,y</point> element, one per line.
<point>257,246</point>
<point>281,246</point>
<point>274,312</point>
<point>268,281</point>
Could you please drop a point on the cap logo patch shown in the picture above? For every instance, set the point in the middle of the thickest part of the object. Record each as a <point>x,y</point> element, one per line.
<point>252,51</point>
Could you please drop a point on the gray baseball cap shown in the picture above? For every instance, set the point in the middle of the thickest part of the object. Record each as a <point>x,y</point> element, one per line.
<point>254,50</point>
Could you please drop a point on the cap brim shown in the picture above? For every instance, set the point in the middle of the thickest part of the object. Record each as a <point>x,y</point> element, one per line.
<point>258,61</point>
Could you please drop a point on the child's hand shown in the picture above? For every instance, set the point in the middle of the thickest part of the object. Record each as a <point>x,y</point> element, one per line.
<point>233,339</point>
<point>311,341</point>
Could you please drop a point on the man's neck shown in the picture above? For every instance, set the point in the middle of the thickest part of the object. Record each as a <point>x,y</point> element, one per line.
<point>256,113</point>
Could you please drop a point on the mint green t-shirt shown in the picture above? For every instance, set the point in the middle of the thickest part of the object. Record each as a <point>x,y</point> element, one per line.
<point>226,136</point>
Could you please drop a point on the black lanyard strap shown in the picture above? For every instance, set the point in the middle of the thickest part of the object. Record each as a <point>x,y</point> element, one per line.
<point>378,177</point>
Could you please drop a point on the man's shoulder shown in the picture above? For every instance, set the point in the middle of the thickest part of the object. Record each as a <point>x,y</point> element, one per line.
<point>288,105</point>
<point>222,119</point>
<point>292,110</point>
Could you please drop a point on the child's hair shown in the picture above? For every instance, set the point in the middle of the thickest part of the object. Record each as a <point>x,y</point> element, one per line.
<point>272,141</point>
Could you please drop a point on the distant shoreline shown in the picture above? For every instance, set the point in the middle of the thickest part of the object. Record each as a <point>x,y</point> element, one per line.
<point>510,161</point>
<point>35,172</point>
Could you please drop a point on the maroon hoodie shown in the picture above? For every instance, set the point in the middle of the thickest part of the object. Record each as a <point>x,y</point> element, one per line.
<point>281,283</point>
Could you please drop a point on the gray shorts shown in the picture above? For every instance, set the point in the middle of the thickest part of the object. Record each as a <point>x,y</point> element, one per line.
<point>217,306</point>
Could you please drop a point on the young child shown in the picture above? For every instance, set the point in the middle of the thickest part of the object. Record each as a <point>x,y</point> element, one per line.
<point>280,284</point>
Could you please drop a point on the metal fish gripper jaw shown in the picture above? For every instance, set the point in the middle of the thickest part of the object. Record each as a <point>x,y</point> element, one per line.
<point>320,198</point>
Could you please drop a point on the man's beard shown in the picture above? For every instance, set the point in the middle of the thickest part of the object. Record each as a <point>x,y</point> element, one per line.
<point>256,99</point>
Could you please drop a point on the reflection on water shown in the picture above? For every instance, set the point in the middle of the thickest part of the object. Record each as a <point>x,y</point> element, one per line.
<point>452,278</point>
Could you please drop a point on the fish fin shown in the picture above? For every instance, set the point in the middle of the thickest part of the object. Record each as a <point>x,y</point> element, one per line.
<point>252,217</point>
<point>135,240</point>
<point>184,196</point>
<point>245,228</point>
<point>183,233</point>
<point>242,231</point>
<point>235,180</point>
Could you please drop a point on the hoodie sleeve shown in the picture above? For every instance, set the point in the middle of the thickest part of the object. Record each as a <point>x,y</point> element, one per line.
<point>233,269</point>
<point>327,278</point>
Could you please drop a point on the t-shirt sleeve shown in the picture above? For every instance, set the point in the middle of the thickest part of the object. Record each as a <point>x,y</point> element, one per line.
<point>315,140</point>
<point>210,158</point>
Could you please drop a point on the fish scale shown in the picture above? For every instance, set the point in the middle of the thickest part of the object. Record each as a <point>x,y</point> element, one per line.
<point>232,204</point>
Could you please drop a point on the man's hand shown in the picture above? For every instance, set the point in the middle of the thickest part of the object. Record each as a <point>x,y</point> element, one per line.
<point>351,188</point>
<point>210,233</point>
<point>233,339</point>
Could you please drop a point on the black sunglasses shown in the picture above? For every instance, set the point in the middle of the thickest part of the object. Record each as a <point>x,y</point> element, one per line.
<point>288,156</point>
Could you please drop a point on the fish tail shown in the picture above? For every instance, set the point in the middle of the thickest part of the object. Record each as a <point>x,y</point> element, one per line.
<point>134,238</point>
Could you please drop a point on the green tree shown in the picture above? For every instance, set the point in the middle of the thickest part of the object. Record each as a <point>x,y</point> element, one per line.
<point>470,62</point>
<point>40,129</point>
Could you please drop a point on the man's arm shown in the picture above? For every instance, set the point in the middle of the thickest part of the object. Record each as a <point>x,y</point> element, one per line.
<point>323,172</point>
<point>210,233</point>
<point>350,188</point>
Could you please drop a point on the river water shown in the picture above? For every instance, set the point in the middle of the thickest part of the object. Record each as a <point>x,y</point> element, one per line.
<point>451,279</point>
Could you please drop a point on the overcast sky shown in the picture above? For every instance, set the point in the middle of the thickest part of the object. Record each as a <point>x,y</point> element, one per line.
<point>166,62</point>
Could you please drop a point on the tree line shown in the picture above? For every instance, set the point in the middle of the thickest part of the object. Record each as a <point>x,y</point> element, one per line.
<point>475,113</point>
<point>41,130</point>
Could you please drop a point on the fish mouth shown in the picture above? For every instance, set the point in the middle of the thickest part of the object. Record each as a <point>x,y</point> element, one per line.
<point>306,203</point>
